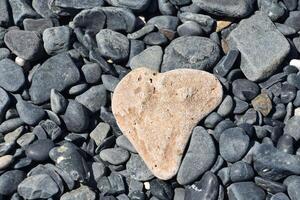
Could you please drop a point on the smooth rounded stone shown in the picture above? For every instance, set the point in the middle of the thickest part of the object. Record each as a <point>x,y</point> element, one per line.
<point>29,113</point>
<point>293,20</point>
<point>11,137</point>
<point>286,144</point>
<point>25,44</point>
<point>212,120</point>
<point>165,22</point>
<point>136,47</point>
<point>119,19</point>
<point>68,158</point>
<point>39,150</point>
<point>272,47</point>
<point>51,75</point>
<point>5,161</point>
<point>262,103</point>
<point>98,170</point>
<point>150,58</point>
<point>10,125</point>
<point>244,89</point>
<point>227,8</point>
<point>100,133</point>
<point>293,187</point>
<point>289,69</point>
<point>288,93</point>
<point>136,6</point>
<point>260,132</point>
<point>273,9</point>
<point>90,20</point>
<point>83,193</point>
<point>271,163</point>
<point>223,125</point>
<point>161,189</point>
<point>280,111</point>
<point>93,98</point>
<point>115,156</point>
<point>155,38</point>
<point>205,22</point>
<point>124,143</point>
<point>297,99</point>
<point>58,102</point>
<point>224,175</point>
<point>26,139</point>
<point>241,171</point>
<point>200,156</point>
<point>137,169</point>
<point>207,188</point>
<point>4,53</point>
<point>296,42</point>
<point>162,158</point>
<point>78,89</point>
<point>92,73</point>
<point>166,7</point>
<point>292,126</point>
<point>245,191</point>
<point>285,30</point>
<point>21,10</point>
<point>109,82</point>
<point>270,186</point>
<point>10,180</point>
<point>112,45</point>
<point>179,193</point>
<point>57,39</point>
<point>76,117</point>
<point>294,79</point>
<point>226,107</point>
<point>38,186</point>
<point>280,196</point>
<point>217,165</point>
<point>38,25</point>
<point>42,8</point>
<point>226,63</point>
<point>39,132</point>
<point>196,53</point>
<point>189,28</point>
<point>11,75</point>
<point>231,140</point>
<point>107,117</point>
<point>250,117</point>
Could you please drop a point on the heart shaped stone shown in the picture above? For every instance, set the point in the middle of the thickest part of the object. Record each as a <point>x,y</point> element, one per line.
<point>158,111</point>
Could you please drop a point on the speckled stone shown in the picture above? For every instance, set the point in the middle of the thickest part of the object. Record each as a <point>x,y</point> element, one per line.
<point>154,97</point>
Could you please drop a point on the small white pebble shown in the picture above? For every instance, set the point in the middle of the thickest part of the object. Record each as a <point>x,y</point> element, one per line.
<point>5,161</point>
<point>297,112</point>
<point>20,61</point>
<point>295,63</point>
<point>110,61</point>
<point>143,19</point>
<point>147,185</point>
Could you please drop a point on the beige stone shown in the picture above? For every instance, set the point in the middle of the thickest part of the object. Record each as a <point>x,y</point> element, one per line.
<point>157,112</point>
<point>262,103</point>
<point>221,24</point>
<point>5,161</point>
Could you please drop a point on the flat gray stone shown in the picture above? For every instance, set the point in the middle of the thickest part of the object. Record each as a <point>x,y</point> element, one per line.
<point>93,98</point>
<point>115,156</point>
<point>100,133</point>
<point>4,103</point>
<point>190,52</point>
<point>150,58</point>
<point>82,193</point>
<point>38,186</point>
<point>30,113</point>
<point>292,127</point>
<point>58,72</point>
<point>11,75</point>
<point>245,191</point>
<point>137,169</point>
<point>21,10</point>
<point>25,44</point>
<point>271,47</point>
<point>199,157</point>
<point>136,6</point>
<point>226,8</point>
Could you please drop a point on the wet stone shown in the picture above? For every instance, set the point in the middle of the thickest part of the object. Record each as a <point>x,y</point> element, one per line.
<point>68,158</point>
<point>206,188</point>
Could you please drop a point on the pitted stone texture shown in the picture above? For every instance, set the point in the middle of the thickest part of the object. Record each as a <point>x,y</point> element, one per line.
<point>257,37</point>
<point>157,112</point>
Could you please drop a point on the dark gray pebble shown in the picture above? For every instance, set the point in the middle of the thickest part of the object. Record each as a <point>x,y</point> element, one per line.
<point>270,186</point>
<point>39,150</point>
<point>11,75</point>
<point>161,189</point>
<point>244,89</point>
<point>30,113</point>
<point>245,191</point>
<point>241,171</point>
<point>10,180</point>
<point>92,73</point>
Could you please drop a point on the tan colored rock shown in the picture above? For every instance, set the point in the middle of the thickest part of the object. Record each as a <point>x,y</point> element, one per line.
<point>262,103</point>
<point>221,24</point>
<point>157,112</point>
<point>5,161</point>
